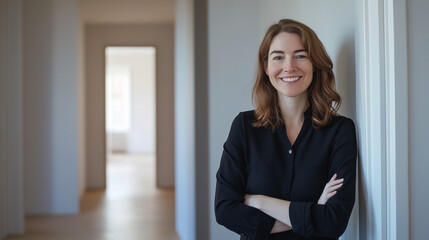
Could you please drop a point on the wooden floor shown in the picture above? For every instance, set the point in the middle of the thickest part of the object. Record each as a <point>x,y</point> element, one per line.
<point>130,208</point>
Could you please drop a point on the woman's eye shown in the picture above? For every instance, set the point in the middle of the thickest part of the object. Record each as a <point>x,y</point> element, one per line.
<point>277,58</point>
<point>301,56</point>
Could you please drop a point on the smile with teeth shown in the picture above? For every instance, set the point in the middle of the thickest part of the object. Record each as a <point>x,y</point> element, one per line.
<point>290,79</point>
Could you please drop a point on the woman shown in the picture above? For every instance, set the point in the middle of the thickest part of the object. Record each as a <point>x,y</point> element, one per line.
<point>277,158</point>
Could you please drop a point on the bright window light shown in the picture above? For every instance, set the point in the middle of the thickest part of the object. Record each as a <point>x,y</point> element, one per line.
<point>118,99</point>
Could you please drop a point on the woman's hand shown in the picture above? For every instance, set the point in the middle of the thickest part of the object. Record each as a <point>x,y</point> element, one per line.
<point>256,201</point>
<point>330,189</point>
<point>280,227</point>
<point>279,209</point>
<point>251,200</point>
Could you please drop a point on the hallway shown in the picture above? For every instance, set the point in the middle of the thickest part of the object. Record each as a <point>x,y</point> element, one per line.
<point>130,208</point>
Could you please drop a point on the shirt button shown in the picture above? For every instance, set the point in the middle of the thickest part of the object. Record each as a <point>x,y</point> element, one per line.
<point>290,151</point>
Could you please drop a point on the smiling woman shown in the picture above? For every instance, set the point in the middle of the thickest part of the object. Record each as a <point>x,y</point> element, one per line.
<point>288,169</point>
<point>289,69</point>
<point>303,43</point>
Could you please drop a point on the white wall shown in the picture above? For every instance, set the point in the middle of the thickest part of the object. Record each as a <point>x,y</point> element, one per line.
<point>184,121</point>
<point>141,136</point>
<point>192,194</point>
<point>11,197</point>
<point>233,45</point>
<point>235,31</point>
<point>50,89</point>
<point>418,40</point>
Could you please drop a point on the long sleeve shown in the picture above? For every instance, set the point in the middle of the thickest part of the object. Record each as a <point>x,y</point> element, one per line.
<point>231,177</point>
<point>330,220</point>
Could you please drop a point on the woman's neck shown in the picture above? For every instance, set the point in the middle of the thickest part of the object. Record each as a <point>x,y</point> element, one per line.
<point>293,108</point>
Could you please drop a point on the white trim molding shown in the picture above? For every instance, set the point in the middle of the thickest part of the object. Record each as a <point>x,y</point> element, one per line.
<point>382,118</point>
<point>397,118</point>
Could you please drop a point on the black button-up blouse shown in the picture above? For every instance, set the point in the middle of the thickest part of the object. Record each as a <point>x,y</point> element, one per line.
<point>260,161</point>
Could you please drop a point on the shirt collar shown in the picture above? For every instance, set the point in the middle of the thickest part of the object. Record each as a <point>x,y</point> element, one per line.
<point>308,113</point>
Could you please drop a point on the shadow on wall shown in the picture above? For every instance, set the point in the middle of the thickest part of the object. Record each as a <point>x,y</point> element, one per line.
<point>346,85</point>
<point>345,77</point>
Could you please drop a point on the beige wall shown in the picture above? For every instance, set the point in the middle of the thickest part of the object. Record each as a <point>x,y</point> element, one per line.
<point>127,11</point>
<point>98,37</point>
<point>11,203</point>
<point>81,107</point>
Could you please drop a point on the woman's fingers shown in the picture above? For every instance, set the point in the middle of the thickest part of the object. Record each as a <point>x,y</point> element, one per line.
<point>330,189</point>
<point>331,194</point>
<point>335,182</point>
<point>335,187</point>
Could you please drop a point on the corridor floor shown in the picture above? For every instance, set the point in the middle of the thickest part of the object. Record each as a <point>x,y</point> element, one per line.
<point>130,208</point>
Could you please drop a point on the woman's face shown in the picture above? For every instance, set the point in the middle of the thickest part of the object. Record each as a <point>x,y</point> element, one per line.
<point>289,67</point>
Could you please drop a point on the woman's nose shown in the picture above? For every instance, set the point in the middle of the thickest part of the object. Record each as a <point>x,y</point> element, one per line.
<point>289,65</point>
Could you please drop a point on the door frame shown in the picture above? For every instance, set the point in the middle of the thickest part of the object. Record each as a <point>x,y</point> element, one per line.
<point>97,38</point>
<point>382,116</point>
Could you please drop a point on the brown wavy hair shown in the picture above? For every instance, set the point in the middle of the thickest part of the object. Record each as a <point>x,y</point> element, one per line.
<point>322,96</point>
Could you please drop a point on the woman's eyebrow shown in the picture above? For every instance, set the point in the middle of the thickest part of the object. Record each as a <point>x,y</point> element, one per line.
<point>276,51</point>
<point>281,52</point>
<point>300,50</point>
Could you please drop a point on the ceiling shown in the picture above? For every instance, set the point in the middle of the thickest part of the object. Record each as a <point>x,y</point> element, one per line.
<point>127,11</point>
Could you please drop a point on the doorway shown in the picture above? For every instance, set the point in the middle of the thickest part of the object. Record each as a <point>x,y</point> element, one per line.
<point>129,198</point>
<point>97,38</point>
<point>130,117</point>
<point>130,100</point>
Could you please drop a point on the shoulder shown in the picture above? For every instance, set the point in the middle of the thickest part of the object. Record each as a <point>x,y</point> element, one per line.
<point>339,126</point>
<point>242,123</point>
<point>249,116</point>
<point>240,126</point>
<point>343,128</point>
<point>342,121</point>
<point>244,118</point>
